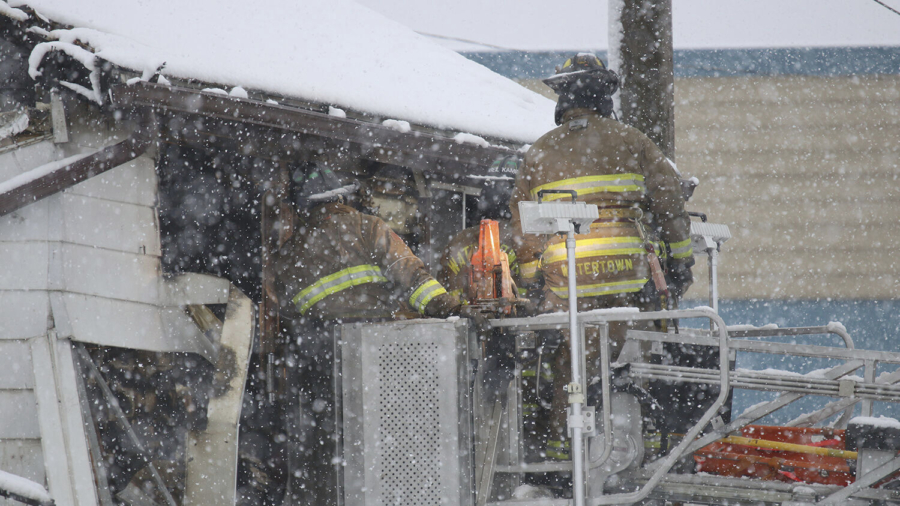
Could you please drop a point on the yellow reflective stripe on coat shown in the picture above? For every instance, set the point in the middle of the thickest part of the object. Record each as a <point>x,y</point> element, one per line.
<point>602,288</point>
<point>558,450</point>
<point>530,409</point>
<point>529,270</point>
<point>422,295</point>
<point>681,249</point>
<point>458,295</point>
<point>465,256</point>
<point>333,283</point>
<point>546,374</point>
<point>612,183</point>
<point>600,246</point>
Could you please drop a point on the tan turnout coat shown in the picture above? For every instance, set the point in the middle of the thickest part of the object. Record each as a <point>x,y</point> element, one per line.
<point>619,169</point>
<point>340,263</point>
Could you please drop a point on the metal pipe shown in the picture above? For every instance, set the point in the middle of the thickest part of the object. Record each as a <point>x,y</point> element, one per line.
<point>869,377</point>
<point>679,450</point>
<point>714,279</point>
<point>464,211</point>
<point>790,447</point>
<point>607,401</point>
<point>713,255</point>
<point>575,398</point>
<point>80,170</point>
<point>797,331</point>
<point>865,481</point>
<point>828,388</point>
<point>761,410</point>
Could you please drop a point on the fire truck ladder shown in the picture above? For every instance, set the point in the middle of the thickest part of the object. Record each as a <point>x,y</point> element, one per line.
<point>655,479</point>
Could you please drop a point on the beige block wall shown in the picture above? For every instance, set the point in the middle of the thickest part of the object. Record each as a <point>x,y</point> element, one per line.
<point>805,171</point>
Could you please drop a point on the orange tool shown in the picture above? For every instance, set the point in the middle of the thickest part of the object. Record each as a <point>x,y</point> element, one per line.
<point>489,277</point>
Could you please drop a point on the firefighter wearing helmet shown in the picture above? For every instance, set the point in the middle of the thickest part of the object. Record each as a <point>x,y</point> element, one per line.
<point>493,205</point>
<point>344,264</point>
<point>642,217</point>
<point>338,265</point>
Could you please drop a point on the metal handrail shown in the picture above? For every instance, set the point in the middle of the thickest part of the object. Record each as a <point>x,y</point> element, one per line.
<point>795,331</point>
<point>562,320</point>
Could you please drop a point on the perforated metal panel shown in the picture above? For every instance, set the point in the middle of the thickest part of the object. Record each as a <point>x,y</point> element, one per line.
<point>406,414</point>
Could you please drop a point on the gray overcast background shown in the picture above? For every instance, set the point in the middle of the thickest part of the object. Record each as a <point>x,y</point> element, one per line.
<point>582,24</point>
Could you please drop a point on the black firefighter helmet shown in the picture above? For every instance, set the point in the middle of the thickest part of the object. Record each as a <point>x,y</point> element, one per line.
<point>583,82</point>
<point>583,69</point>
<point>314,184</point>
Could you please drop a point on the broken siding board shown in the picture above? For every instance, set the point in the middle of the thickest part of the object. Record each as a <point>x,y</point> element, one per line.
<point>23,314</point>
<point>53,440</point>
<point>15,366</point>
<point>134,182</point>
<point>124,324</point>
<point>22,457</point>
<point>73,420</point>
<point>110,225</point>
<point>18,415</point>
<point>24,265</point>
<point>107,273</point>
<point>27,224</point>
<point>50,180</point>
<point>26,158</point>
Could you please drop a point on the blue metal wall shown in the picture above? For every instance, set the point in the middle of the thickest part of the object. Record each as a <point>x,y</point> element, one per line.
<point>832,61</point>
<point>873,324</point>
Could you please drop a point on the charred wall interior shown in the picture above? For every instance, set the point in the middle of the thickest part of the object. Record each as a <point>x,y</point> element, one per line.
<point>16,87</point>
<point>209,213</point>
<point>216,177</point>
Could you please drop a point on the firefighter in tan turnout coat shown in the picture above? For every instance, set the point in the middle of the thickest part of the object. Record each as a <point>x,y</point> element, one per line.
<point>338,266</point>
<point>641,207</point>
<point>341,264</point>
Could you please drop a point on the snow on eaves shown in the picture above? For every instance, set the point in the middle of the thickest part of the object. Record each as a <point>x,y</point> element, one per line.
<point>16,14</point>
<point>16,125</point>
<point>82,55</point>
<point>335,52</point>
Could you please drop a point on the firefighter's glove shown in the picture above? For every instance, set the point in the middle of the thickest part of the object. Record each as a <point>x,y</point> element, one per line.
<point>527,307</point>
<point>442,306</point>
<point>680,279</point>
<point>476,318</point>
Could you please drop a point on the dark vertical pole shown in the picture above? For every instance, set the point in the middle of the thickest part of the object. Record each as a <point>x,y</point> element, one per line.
<point>641,52</point>
<point>276,226</point>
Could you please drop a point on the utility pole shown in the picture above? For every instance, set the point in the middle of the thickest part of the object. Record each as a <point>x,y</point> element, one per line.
<point>640,51</point>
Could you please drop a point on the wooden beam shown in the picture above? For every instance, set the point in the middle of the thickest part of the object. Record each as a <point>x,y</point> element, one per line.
<point>644,60</point>
<point>68,175</point>
<point>417,149</point>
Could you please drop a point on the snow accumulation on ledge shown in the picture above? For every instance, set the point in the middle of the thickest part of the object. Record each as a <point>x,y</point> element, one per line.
<point>23,487</point>
<point>306,50</point>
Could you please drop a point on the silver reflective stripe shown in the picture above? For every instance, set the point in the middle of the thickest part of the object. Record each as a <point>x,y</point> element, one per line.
<point>336,282</point>
<point>601,288</point>
<point>613,183</point>
<point>681,249</point>
<point>422,295</point>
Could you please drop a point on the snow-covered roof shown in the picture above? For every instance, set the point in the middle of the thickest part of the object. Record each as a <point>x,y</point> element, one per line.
<point>336,52</point>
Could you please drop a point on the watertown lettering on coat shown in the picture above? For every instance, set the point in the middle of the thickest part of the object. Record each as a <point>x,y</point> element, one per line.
<point>601,267</point>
